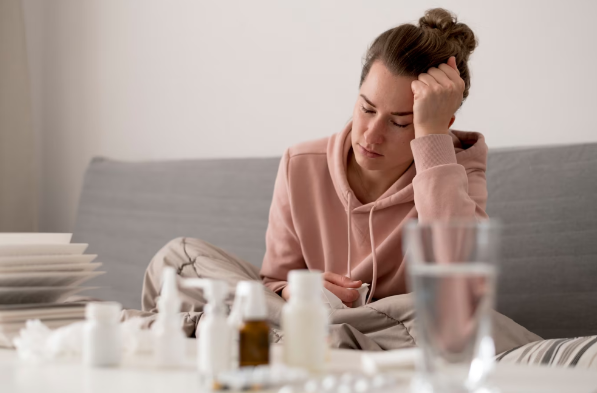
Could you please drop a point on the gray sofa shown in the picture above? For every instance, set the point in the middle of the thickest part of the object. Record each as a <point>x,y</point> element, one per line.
<point>546,197</point>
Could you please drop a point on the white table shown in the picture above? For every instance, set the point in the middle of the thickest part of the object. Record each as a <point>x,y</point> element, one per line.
<point>138,375</point>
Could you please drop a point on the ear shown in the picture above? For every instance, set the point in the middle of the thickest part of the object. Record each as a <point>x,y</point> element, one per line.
<point>451,121</point>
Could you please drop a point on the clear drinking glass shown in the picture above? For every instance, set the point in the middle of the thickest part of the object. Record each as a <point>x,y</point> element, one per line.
<point>452,268</point>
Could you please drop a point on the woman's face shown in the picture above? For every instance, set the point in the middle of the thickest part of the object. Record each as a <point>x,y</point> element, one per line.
<point>382,123</point>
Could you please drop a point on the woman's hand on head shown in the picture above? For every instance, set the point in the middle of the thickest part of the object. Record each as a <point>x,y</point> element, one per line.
<point>437,95</point>
<point>342,286</point>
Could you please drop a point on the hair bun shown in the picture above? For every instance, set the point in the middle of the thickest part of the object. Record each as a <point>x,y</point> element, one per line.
<point>438,18</point>
<point>442,22</point>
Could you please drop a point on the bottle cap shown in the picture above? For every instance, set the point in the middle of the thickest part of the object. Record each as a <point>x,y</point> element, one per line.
<point>215,291</point>
<point>253,300</point>
<point>103,311</point>
<point>305,283</point>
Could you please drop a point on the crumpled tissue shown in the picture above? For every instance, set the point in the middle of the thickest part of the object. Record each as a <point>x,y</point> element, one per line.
<point>37,343</point>
<point>334,302</point>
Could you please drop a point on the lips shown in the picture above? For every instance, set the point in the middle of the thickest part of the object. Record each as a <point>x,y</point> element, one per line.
<point>369,153</point>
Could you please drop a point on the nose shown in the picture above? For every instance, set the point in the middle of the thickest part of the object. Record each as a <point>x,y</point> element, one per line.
<point>374,135</point>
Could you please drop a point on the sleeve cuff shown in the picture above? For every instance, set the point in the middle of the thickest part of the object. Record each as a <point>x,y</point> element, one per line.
<point>276,286</point>
<point>432,150</point>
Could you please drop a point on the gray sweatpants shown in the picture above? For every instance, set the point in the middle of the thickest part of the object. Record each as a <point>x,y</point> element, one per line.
<point>387,323</point>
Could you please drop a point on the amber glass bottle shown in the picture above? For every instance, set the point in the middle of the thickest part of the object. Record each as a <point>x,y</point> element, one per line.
<point>254,343</point>
<point>253,335</point>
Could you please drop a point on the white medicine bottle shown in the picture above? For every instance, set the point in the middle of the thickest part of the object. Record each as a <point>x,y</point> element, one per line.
<point>305,321</point>
<point>213,332</point>
<point>102,337</point>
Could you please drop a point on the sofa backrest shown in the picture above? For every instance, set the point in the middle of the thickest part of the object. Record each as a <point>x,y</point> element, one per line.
<point>544,196</point>
<point>128,211</point>
<point>547,200</point>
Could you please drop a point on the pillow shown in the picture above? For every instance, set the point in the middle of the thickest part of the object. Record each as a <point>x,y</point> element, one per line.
<point>578,352</point>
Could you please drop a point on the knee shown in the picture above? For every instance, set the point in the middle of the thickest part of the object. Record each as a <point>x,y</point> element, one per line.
<point>166,254</point>
<point>176,242</point>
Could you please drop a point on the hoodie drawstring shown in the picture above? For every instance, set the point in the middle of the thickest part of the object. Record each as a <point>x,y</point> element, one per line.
<point>349,214</point>
<point>373,255</point>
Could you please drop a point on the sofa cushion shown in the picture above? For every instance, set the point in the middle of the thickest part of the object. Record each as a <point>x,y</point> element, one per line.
<point>579,352</point>
<point>546,198</point>
<point>128,211</point>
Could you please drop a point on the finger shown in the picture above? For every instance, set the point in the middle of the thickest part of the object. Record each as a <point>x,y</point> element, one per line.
<point>453,74</point>
<point>452,63</point>
<point>348,304</point>
<point>440,76</point>
<point>342,281</point>
<point>417,87</point>
<point>344,294</point>
<point>428,80</point>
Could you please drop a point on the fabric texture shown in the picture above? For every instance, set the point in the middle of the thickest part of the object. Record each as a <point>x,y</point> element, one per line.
<point>579,352</point>
<point>316,221</point>
<point>384,324</point>
<point>545,198</point>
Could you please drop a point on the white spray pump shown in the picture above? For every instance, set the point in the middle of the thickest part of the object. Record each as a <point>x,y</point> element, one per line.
<point>169,338</point>
<point>213,333</point>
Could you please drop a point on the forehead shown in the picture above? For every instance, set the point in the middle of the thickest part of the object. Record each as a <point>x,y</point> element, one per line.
<point>387,90</point>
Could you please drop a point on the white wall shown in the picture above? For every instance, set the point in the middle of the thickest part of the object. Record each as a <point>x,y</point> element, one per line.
<point>149,79</point>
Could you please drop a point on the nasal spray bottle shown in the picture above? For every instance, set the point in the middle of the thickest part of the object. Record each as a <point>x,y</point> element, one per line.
<point>169,339</point>
<point>213,333</point>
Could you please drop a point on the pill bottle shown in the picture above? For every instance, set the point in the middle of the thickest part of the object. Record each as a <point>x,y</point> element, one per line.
<point>102,337</point>
<point>305,322</point>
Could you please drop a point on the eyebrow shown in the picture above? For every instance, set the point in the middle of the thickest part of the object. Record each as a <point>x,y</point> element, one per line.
<point>393,113</point>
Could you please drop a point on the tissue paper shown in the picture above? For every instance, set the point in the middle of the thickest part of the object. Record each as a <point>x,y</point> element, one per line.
<point>37,343</point>
<point>334,302</point>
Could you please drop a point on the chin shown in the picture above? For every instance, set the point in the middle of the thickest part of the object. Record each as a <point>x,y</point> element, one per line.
<point>372,164</point>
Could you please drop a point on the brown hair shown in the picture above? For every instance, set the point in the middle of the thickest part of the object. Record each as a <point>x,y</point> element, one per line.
<point>409,50</point>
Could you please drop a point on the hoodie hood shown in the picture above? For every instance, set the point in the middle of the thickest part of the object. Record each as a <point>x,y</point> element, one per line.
<point>470,149</point>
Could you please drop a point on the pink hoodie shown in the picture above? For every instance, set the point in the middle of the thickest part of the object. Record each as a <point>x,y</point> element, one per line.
<point>316,222</point>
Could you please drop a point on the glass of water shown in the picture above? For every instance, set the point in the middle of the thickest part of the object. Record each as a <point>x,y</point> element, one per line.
<point>452,268</point>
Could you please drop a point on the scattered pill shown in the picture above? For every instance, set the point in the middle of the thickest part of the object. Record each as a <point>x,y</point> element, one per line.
<point>312,386</point>
<point>329,383</point>
<point>286,389</point>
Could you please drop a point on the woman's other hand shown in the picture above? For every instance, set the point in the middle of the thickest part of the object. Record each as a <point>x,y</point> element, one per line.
<point>342,286</point>
<point>338,285</point>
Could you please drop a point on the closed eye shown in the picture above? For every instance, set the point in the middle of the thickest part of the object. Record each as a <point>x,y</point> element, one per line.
<point>396,124</point>
<point>365,109</point>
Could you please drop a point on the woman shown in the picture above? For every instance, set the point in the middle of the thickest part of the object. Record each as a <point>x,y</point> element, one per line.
<point>340,203</point>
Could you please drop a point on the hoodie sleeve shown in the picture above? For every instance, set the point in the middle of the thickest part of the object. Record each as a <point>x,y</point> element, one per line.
<point>444,188</point>
<point>282,246</point>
